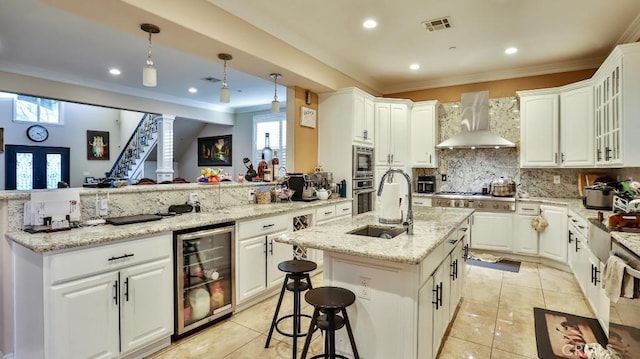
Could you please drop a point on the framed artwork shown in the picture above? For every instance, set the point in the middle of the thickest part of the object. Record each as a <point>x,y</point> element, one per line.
<point>307,117</point>
<point>214,151</point>
<point>98,145</point>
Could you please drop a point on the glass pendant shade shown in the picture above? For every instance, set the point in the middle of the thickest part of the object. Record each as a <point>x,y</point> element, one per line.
<point>225,94</point>
<point>149,76</point>
<point>275,106</point>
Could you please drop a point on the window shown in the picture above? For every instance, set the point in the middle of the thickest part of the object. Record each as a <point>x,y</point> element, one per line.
<point>35,109</point>
<point>275,124</point>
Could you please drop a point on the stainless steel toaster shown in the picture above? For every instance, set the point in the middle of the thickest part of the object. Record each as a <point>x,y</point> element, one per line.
<point>598,196</point>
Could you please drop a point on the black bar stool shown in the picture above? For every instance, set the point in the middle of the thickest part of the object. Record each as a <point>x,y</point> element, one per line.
<point>330,301</point>
<point>296,270</point>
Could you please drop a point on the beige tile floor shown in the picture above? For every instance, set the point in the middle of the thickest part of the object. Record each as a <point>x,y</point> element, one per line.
<point>495,320</point>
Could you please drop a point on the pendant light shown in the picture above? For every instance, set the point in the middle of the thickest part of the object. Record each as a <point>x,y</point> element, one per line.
<point>225,93</point>
<point>275,105</point>
<point>149,73</point>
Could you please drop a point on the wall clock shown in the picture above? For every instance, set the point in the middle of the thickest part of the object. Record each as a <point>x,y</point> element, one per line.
<point>37,133</point>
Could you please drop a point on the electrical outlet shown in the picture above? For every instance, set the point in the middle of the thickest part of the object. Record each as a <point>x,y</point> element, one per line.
<point>365,289</point>
<point>102,207</point>
<point>193,198</point>
<point>444,177</point>
<point>556,179</point>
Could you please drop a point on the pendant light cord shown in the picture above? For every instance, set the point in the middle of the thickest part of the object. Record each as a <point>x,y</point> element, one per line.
<point>149,59</point>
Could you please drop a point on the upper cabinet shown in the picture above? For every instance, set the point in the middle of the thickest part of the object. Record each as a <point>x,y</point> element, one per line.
<point>557,126</point>
<point>363,119</point>
<point>617,90</point>
<point>539,120</point>
<point>391,144</point>
<point>424,134</point>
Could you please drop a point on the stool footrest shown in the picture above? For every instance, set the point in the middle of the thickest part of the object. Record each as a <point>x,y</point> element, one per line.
<point>290,335</point>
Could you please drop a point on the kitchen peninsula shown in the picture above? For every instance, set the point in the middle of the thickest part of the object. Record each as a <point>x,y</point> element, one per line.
<point>395,280</point>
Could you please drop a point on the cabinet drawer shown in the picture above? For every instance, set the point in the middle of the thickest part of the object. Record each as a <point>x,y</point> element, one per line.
<point>431,262</point>
<point>579,223</point>
<point>325,213</point>
<point>528,209</point>
<point>264,226</point>
<point>84,262</point>
<point>343,209</point>
<point>421,202</point>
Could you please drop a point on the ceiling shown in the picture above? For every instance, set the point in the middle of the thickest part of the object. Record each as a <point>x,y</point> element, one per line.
<point>39,40</point>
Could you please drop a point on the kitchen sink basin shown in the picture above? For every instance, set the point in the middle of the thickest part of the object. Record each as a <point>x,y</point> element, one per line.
<point>378,231</point>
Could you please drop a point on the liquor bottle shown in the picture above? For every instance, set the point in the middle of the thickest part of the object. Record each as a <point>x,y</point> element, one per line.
<point>275,166</point>
<point>266,151</point>
<point>261,167</point>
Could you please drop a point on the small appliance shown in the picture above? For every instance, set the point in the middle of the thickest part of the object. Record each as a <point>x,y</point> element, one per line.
<point>362,162</point>
<point>599,196</point>
<point>426,184</point>
<point>363,196</point>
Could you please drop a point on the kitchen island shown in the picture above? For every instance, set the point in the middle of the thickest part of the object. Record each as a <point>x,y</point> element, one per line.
<point>395,280</point>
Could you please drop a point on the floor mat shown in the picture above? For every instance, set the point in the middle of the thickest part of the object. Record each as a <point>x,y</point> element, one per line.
<point>562,335</point>
<point>504,265</point>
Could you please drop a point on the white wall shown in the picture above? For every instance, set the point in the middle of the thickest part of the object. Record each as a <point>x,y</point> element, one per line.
<point>73,134</point>
<point>128,122</point>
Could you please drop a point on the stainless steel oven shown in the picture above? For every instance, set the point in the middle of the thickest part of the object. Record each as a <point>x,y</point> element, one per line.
<point>362,163</point>
<point>363,195</point>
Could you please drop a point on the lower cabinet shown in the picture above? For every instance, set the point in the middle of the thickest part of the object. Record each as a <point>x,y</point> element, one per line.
<point>103,302</point>
<point>552,241</point>
<point>492,231</point>
<point>594,292</point>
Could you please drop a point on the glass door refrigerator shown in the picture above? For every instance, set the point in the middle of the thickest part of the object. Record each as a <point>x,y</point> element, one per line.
<point>204,282</point>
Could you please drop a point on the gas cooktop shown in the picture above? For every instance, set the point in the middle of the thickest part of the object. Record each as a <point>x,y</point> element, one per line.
<point>476,200</point>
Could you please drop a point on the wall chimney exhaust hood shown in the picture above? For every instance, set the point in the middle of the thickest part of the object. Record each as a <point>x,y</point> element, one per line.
<point>475,125</point>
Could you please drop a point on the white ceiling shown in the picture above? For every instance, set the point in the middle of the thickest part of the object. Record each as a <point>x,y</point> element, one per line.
<point>552,35</point>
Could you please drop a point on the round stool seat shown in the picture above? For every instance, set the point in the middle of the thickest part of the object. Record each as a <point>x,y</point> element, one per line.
<point>330,298</point>
<point>297,266</point>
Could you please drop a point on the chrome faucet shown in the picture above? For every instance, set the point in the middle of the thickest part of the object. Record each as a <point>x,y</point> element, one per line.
<point>408,223</point>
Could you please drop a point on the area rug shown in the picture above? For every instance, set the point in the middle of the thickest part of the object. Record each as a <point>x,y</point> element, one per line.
<point>562,335</point>
<point>504,265</point>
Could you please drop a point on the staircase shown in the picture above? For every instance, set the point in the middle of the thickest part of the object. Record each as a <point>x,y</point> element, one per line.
<point>130,162</point>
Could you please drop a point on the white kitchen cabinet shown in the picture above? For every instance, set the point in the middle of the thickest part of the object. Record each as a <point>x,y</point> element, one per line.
<point>325,215</point>
<point>552,241</point>
<point>456,275</point>
<point>424,134</point>
<point>442,290</point>
<point>426,311</point>
<point>492,231</point>
<point>616,109</point>
<point>525,238</point>
<point>577,126</point>
<point>107,301</point>
<point>258,255</point>
<point>391,139</point>
<point>539,126</point>
<point>421,201</point>
<point>595,293</point>
<point>363,119</point>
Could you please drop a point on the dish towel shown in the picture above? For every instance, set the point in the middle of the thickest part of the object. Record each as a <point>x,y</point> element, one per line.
<point>539,223</point>
<point>612,278</point>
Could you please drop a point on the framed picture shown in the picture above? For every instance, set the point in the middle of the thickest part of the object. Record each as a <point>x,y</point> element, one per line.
<point>98,145</point>
<point>307,117</point>
<point>214,151</point>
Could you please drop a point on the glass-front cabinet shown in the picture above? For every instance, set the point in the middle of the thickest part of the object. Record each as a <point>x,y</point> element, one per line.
<point>204,276</point>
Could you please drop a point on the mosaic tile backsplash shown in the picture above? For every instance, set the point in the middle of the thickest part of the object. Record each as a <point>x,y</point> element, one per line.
<point>469,170</point>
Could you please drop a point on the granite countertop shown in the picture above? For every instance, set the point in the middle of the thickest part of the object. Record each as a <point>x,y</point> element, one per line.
<point>431,227</point>
<point>85,236</point>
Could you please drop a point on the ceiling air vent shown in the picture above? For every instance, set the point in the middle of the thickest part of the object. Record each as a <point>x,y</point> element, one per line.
<point>211,79</point>
<point>441,23</point>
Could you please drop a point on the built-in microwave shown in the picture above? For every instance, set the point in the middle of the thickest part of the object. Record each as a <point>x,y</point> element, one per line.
<point>362,162</point>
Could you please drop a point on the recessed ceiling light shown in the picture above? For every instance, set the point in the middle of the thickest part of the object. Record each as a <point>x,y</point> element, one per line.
<point>511,50</point>
<point>414,66</point>
<point>114,71</point>
<point>369,24</point>
<point>193,90</point>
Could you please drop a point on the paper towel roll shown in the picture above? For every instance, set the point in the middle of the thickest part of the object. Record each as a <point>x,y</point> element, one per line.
<point>391,202</point>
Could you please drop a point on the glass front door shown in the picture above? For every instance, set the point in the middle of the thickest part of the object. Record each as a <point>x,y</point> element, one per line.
<point>35,167</point>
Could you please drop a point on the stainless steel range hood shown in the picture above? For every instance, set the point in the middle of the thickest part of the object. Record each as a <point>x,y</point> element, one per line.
<point>475,125</point>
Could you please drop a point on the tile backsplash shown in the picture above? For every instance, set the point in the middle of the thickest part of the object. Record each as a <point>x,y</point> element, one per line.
<point>468,170</point>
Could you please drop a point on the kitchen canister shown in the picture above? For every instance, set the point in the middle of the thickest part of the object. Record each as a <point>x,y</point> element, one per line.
<point>263,195</point>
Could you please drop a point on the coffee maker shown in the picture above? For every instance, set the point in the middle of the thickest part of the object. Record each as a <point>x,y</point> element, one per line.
<point>426,184</point>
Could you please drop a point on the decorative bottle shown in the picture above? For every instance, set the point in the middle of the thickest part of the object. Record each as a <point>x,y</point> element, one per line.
<point>261,167</point>
<point>217,296</point>
<point>266,151</point>
<point>275,166</point>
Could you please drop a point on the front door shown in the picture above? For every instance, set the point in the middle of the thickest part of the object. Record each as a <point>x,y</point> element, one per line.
<point>35,167</point>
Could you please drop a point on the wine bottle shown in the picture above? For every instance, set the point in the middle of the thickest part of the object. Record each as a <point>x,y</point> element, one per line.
<point>266,151</point>
<point>275,166</point>
<point>261,167</point>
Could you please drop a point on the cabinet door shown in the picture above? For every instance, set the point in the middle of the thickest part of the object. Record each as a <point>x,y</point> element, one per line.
<point>525,239</point>
<point>84,318</point>
<point>423,136</point>
<point>399,135</point>
<point>358,118</point>
<point>251,269</point>
<point>577,128</point>
<point>456,273</point>
<point>382,134</point>
<point>146,303</point>
<point>276,253</point>
<point>552,243</point>
<point>426,309</point>
<point>441,285</point>
<point>369,115</point>
<point>539,131</point>
<point>492,231</point>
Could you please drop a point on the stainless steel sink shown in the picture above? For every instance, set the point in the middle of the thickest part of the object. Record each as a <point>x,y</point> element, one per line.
<point>378,231</point>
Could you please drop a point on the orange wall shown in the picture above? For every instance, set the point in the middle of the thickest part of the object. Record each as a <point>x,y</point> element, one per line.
<point>499,88</point>
<point>305,138</point>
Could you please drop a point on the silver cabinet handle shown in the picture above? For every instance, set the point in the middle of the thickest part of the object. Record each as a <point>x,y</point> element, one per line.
<point>115,291</point>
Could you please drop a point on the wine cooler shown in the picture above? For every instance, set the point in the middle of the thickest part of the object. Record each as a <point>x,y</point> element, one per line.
<point>204,282</point>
